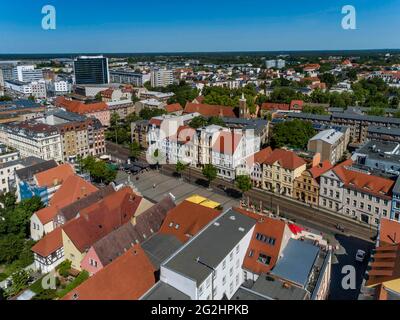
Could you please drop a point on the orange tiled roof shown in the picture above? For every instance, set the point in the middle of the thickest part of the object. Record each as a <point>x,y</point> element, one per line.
<point>287,159</point>
<point>173,108</point>
<point>262,155</point>
<point>79,107</point>
<point>54,176</point>
<point>273,228</point>
<point>296,105</point>
<point>99,219</point>
<point>187,219</point>
<point>73,189</point>
<point>386,265</point>
<point>47,214</point>
<point>50,243</point>
<point>127,278</point>
<point>208,110</point>
<point>270,106</point>
<point>389,232</point>
<point>320,169</point>
<point>375,185</point>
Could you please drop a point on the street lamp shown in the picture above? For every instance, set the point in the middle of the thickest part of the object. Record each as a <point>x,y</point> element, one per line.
<point>212,275</point>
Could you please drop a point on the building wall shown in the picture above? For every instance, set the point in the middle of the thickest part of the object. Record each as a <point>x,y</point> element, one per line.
<point>91,262</point>
<point>331,192</point>
<point>36,228</point>
<point>306,189</point>
<point>49,263</point>
<point>71,252</point>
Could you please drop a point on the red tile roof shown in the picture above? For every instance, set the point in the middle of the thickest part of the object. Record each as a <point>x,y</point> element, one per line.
<point>323,167</point>
<point>386,265</point>
<point>173,108</point>
<point>156,122</point>
<point>199,99</point>
<point>287,159</point>
<point>187,219</point>
<point>54,176</point>
<point>73,188</point>
<point>261,155</point>
<point>99,219</point>
<point>50,243</point>
<point>268,227</point>
<point>270,106</point>
<point>127,278</point>
<point>208,110</point>
<point>371,184</point>
<point>296,105</point>
<point>79,107</point>
<point>389,232</point>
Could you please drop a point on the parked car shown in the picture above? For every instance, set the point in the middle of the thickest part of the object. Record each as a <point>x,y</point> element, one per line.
<point>360,256</point>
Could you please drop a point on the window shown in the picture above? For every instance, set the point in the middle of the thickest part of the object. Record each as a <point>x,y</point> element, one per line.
<point>251,253</point>
<point>264,259</point>
<point>237,279</point>
<point>237,249</point>
<point>231,288</point>
<point>223,281</point>
<point>231,272</point>
<point>224,265</point>
<point>231,256</point>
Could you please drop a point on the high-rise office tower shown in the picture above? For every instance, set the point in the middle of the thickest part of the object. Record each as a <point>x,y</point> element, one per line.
<point>91,70</point>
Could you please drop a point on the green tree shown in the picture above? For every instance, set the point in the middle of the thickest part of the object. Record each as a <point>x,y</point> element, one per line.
<point>148,113</point>
<point>180,167</point>
<point>243,182</point>
<point>135,150</point>
<point>329,79</point>
<point>198,122</point>
<point>380,112</point>
<point>210,173</point>
<point>19,281</point>
<point>295,134</point>
<point>315,110</point>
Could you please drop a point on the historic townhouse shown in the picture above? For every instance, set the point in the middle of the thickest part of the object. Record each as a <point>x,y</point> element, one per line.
<point>280,169</point>
<point>358,195</point>
<point>307,186</point>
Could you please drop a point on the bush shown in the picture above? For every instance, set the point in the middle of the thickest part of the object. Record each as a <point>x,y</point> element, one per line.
<point>82,277</point>
<point>64,268</point>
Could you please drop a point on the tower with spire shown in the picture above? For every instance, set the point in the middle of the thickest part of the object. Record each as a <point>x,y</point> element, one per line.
<point>244,110</point>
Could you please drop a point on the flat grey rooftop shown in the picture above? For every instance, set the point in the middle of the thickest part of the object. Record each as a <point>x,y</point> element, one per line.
<point>162,291</point>
<point>247,294</point>
<point>277,289</point>
<point>160,247</point>
<point>209,247</point>
<point>296,262</point>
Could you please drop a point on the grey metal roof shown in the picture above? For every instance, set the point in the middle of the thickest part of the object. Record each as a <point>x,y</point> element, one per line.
<point>384,130</point>
<point>296,262</point>
<point>25,162</point>
<point>247,294</point>
<point>309,116</point>
<point>210,247</point>
<point>276,289</point>
<point>396,188</point>
<point>27,173</point>
<point>160,247</point>
<point>162,291</point>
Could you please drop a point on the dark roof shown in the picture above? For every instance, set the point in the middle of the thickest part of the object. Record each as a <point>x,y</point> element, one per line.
<point>160,247</point>
<point>25,162</point>
<point>122,239</point>
<point>28,172</point>
<point>233,225</point>
<point>162,291</point>
<point>247,294</point>
<point>71,211</point>
<point>384,130</point>
<point>277,289</point>
<point>309,116</point>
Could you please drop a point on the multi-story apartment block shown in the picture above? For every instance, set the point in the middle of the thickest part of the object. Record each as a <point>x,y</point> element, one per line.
<point>307,186</point>
<point>127,76</point>
<point>280,169</point>
<point>395,212</point>
<point>27,73</point>
<point>383,134</point>
<point>123,108</point>
<point>331,144</point>
<point>139,131</point>
<point>358,195</point>
<point>33,139</point>
<point>162,78</point>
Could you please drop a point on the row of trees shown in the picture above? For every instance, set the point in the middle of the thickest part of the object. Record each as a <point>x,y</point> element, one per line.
<point>99,171</point>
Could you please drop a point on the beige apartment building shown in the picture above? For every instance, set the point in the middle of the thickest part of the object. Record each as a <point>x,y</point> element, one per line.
<point>331,144</point>
<point>280,169</point>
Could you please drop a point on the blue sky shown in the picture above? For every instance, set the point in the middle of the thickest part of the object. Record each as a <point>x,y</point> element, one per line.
<point>191,26</point>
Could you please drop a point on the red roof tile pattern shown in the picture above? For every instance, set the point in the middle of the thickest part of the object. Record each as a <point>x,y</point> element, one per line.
<point>127,278</point>
<point>50,243</point>
<point>208,110</point>
<point>55,176</point>
<point>287,159</point>
<point>79,107</point>
<point>176,107</point>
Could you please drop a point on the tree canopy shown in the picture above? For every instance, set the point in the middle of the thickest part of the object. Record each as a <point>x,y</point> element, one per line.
<point>294,134</point>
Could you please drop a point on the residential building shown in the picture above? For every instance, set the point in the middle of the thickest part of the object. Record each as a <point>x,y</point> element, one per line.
<point>39,89</point>
<point>155,95</point>
<point>127,76</point>
<point>116,243</point>
<point>24,88</point>
<point>307,185</point>
<point>383,134</point>
<point>8,179</point>
<point>395,213</point>
<point>127,278</point>
<point>91,70</point>
<point>72,189</point>
<point>123,108</point>
<point>358,195</point>
<point>92,225</point>
<point>330,144</point>
<point>139,131</point>
<point>162,78</point>
<point>33,139</point>
<point>280,169</point>
<point>98,110</point>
